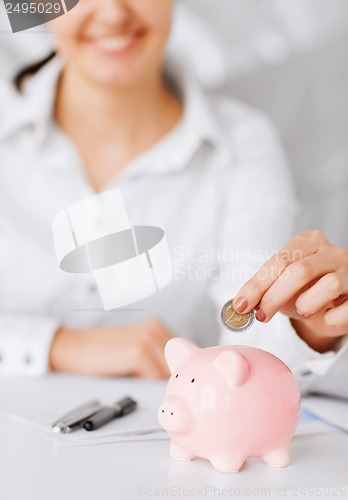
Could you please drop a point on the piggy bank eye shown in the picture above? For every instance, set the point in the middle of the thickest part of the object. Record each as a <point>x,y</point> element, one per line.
<point>192,381</point>
<point>176,376</point>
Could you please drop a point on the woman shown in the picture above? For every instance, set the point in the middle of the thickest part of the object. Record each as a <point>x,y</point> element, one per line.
<point>209,171</point>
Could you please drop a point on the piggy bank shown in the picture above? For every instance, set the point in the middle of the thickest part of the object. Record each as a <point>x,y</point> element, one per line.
<point>228,403</point>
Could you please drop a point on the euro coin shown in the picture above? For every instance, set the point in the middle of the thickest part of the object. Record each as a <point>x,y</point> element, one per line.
<point>234,321</point>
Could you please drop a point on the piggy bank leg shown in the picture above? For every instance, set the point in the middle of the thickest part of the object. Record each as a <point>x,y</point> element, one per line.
<point>178,453</point>
<point>277,458</point>
<point>227,463</point>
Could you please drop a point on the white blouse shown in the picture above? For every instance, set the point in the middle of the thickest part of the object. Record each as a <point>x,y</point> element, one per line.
<point>217,184</point>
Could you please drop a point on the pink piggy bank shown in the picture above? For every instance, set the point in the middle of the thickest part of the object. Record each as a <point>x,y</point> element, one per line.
<point>228,403</point>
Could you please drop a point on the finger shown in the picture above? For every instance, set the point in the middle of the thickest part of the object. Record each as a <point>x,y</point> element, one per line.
<point>337,318</point>
<point>158,329</point>
<point>300,247</point>
<point>328,288</point>
<point>159,336</point>
<point>160,360</point>
<point>293,280</point>
<point>148,367</point>
<point>154,338</point>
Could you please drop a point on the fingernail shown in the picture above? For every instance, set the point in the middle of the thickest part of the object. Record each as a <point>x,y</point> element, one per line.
<point>240,305</point>
<point>301,314</point>
<point>260,315</point>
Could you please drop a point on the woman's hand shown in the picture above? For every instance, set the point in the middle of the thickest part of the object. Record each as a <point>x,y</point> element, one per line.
<point>307,281</point>
<point>136,350</point>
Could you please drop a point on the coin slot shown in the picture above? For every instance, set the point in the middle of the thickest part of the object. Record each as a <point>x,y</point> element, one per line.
<point>176,376</point>
<point>192,381</point>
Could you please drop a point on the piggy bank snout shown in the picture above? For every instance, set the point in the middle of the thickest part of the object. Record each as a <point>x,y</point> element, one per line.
<point>174,415</point>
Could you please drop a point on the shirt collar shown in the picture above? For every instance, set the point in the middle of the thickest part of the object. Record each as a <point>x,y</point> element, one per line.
<point>198,125</point>
<point>35,107</point>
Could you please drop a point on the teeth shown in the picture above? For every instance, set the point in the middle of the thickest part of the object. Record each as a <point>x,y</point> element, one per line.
<point>115,42</point>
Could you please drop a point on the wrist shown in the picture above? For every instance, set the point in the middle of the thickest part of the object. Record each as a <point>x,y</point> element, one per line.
<point>64,352</point>
<point>318,343</point>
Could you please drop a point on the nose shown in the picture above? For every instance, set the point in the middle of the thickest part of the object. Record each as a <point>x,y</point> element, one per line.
<point>174,415</point>
<point>114,11</point>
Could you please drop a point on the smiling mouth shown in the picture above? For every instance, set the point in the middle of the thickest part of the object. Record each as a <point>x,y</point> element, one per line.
<point>116,44</point>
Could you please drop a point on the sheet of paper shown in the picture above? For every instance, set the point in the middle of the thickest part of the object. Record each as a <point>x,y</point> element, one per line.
<point>40,402</point>
<point>311,424</point>
<point>331,410</point>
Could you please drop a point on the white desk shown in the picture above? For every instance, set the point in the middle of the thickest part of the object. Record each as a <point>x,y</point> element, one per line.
<point>33,467</point>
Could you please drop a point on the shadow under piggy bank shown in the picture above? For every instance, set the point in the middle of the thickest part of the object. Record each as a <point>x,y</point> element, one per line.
<point>25,15</point>
<point>227,404</point>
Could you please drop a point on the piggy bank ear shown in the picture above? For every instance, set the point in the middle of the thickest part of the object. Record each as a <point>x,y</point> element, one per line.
<point>233,366</point>
<point>177,350</point>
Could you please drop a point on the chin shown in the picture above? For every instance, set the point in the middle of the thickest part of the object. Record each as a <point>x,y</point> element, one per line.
<point>111,75</point>
<point>118,73</point>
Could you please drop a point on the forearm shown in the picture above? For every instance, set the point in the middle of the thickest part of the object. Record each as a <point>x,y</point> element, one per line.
<point>135,349</point>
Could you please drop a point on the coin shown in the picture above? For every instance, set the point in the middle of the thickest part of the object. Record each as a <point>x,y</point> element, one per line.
<point>234,321</point>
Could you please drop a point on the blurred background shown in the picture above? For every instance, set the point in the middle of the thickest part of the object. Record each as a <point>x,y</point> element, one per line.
<point>286,57</point>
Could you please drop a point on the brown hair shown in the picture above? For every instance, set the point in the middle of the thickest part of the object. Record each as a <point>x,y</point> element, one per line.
<point>31,69</point>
